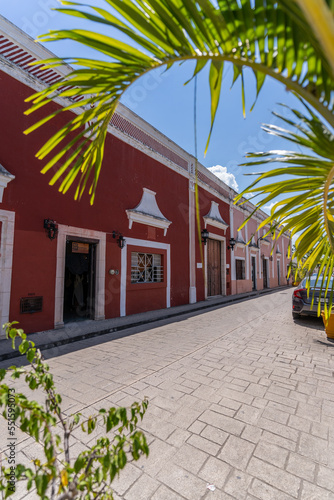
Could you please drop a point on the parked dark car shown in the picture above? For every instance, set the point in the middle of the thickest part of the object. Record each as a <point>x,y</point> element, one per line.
<point>302,299</point>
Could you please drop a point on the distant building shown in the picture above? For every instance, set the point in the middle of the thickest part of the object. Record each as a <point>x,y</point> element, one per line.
<point>136,249</point>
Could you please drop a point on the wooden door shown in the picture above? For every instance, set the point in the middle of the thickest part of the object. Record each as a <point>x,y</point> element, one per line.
<point>214,268</point>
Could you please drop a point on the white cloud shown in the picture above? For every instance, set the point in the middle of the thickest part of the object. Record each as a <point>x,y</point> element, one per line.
<point>249,195</point>
<point>225,176</point>
<point>268,208</point>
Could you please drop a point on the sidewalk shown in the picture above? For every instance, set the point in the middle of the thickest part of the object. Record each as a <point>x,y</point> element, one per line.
<point>76,331</point>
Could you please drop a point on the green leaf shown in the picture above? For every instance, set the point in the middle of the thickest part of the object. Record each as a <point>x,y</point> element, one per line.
<point>31,355</point>
<point>215,82</point>
<point>79,463</point>
<point>307,206</point>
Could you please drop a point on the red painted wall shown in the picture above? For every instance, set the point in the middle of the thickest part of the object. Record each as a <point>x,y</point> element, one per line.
<point>125,172</point>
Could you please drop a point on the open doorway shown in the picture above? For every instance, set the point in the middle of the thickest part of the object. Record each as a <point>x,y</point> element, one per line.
<point>265,273</point>
<point>253,273</point>
<point>79,285</point>
<point>278,273</point>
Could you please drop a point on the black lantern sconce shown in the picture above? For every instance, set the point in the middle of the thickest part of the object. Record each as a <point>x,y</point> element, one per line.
<point>51,227</point>
<point>232,244</point>
<point>205,235</point>
<point>120,239</point>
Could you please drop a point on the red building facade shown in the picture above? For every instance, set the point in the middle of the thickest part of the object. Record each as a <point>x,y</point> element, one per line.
<point>136,248</point>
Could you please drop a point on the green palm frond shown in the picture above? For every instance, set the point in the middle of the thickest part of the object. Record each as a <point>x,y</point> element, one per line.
<point>307,189</point>
<point>272,38</point>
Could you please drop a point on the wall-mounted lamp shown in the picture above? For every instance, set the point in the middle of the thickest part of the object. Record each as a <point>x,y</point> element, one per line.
<point>205,235</point>
<point>51,227</point>
<point>232,243</point>
<point>120,239</point>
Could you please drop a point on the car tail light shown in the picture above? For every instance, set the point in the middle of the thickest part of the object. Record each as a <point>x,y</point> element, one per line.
<point>297,293</point>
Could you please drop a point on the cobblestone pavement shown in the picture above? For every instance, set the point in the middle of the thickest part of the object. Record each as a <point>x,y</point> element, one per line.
<point>241,397</point>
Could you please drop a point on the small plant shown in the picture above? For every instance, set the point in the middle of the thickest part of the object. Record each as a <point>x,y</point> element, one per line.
<point>61,477</point>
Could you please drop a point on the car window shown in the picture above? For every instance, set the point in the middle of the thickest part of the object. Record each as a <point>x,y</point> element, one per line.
<point>313,281</point>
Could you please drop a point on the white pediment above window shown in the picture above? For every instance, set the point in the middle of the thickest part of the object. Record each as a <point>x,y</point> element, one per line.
<point>148,212</point>
<point>5,178</point>
<point>253,245</point>
<point>214,218</point>
<point>265,241</point>
<point>240,242</point>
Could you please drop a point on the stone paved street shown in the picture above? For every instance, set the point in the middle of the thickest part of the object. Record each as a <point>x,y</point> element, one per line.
<point>241,397</point>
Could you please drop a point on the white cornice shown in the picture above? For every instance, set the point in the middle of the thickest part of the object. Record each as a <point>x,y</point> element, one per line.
<point>147,212</point>
<point>5,178</point>
<point>214,218</point>
<point>37,50</point>
<point>264,241</point>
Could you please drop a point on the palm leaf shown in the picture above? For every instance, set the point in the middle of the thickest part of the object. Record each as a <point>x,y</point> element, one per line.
<point>272,38</point>
<point>307,188</point>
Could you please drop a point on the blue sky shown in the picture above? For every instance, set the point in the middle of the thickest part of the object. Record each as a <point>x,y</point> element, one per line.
<point>164,101</point>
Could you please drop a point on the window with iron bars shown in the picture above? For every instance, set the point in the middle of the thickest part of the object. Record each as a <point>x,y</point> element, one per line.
<point>240,269</point>
<point>146,268</point>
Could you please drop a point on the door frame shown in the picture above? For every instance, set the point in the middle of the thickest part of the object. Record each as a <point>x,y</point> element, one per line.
<point>89,236</point>
<point>222,239</point>
<point>6,263</point>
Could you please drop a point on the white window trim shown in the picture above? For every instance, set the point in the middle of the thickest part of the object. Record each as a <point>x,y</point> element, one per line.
<point>6,264</point>
<point>214,236</point>
<point>239,258</point>
<point>100,273</point>
<point>124,254</point>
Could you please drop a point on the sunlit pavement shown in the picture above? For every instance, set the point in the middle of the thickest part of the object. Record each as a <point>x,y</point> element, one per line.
<point>241,403</point>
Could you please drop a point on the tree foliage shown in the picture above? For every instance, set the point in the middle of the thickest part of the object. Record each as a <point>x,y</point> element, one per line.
<point>307,207</point>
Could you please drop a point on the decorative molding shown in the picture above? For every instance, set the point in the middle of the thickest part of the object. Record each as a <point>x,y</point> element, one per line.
<point>254,248</point>
<point>147,212</point>
<point>214,218</point>
<point>264,241</point>
<point>240,242</point>
<point>5,178</point>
